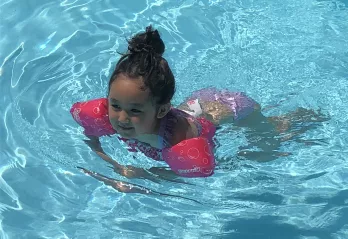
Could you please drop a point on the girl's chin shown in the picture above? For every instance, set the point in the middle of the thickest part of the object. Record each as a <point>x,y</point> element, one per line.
<point>126,133</point>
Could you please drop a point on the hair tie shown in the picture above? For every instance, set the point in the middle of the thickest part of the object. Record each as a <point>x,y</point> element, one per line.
<point>142,48</point>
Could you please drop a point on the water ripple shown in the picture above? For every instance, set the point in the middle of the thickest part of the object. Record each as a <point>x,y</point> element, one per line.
<point>290,55</point>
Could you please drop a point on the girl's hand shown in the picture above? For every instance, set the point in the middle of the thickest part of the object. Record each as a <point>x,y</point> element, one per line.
<point>165,173</point>
<point>134,172</point>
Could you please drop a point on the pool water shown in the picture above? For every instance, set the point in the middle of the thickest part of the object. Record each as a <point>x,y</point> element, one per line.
<point>286,54</point>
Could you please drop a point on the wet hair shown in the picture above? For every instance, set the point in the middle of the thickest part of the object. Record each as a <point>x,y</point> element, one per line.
<point>144,59</point>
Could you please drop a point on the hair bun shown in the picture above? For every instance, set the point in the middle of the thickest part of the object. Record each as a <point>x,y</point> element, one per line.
<point>149,41</point>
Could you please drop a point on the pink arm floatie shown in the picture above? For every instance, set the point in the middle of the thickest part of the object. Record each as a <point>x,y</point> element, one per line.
<point>93,117</point>
<point>191,158</point>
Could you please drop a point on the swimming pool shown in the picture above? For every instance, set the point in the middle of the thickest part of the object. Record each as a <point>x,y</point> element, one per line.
<point>290,54</point>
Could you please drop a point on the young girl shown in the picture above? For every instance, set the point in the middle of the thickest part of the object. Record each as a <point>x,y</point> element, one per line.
<point>138,109</point>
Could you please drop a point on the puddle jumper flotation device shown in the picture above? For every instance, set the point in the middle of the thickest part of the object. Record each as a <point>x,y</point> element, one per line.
<point>189,158</point>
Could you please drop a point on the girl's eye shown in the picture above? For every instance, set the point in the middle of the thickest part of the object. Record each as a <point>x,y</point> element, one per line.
<point>136,111</point>
<point>116,107</point>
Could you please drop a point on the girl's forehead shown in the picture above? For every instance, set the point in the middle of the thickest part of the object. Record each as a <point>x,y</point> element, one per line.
<point>129,91</point>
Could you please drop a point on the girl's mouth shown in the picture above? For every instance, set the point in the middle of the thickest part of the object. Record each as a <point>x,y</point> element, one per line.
<point>125,127</point>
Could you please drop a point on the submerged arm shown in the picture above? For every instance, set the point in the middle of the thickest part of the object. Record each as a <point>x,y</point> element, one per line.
<point>154,174</point>
<point>126,187</point>
<point>126,171</point>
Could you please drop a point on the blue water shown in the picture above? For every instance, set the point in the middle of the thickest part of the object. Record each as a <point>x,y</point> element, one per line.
<point>286,53</point>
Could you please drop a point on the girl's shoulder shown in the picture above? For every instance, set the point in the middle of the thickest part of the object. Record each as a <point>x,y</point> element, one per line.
<point>180,126</point>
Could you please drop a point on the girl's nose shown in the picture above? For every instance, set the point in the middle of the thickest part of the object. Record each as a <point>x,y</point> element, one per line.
<point>123,117</point>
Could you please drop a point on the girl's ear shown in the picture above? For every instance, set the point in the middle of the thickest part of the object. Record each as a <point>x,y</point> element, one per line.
<point>163,110</point>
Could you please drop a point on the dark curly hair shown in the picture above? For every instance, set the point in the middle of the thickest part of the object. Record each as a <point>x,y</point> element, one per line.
<point>144,59</point>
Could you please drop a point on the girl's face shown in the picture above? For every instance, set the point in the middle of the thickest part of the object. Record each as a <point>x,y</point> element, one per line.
<point>132,111</point>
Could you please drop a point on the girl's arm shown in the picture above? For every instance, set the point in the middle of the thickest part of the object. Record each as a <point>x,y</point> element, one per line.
<point>127,187</point>
<point>126,171</point>
<point>154,174</point>
<point>95,145</point>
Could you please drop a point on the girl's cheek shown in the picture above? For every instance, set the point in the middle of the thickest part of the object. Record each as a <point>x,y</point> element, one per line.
<point>136,120</point>
<point>111,114</point>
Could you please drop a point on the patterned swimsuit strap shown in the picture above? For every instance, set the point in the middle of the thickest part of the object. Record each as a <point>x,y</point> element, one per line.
<point>162,142</point>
